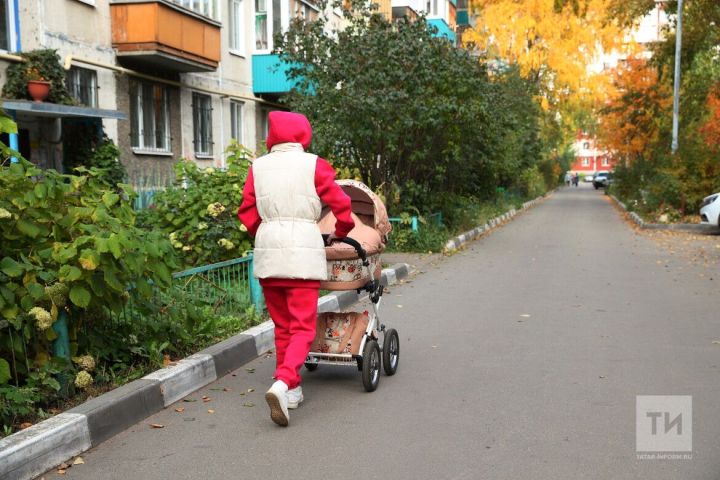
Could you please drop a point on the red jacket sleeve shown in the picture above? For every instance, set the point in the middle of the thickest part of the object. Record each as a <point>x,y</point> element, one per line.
<point>248,212</point>
<point>333,196</point>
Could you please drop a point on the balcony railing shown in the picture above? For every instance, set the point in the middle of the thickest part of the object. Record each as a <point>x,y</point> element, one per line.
<point>164,35</point>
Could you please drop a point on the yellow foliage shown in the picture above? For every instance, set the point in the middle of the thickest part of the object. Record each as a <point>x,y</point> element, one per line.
<point>551,45</point>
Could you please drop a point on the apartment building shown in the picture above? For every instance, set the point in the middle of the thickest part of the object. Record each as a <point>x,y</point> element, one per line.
<point>164,79</point>
<point>441,14</point>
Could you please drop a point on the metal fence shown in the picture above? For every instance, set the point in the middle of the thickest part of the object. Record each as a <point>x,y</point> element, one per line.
<point>436,218</point>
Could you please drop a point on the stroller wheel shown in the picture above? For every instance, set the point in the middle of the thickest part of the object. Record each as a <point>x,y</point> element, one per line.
<point>311,367</point>
<point>371,365</point>
<point>391,351</point>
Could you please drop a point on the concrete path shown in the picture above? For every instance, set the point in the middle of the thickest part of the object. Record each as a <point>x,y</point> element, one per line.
<point>521,358</point>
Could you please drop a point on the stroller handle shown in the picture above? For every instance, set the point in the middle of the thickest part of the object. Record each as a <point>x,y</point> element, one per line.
<point>353,243</point>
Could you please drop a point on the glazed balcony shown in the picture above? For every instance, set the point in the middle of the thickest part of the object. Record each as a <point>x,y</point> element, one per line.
<point>164,35</point>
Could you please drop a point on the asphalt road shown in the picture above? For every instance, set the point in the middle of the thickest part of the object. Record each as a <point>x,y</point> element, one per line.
<point>521,358</point>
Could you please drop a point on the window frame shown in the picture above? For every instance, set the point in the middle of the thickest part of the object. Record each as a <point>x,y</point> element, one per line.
<point>138,140</point>
<point>210,10</point>
<point>585,162</point>
<point>236,22</point>
<point>93,87</point>
<point>10,18</point>
<point>236,120</point>
<point>202,117</point>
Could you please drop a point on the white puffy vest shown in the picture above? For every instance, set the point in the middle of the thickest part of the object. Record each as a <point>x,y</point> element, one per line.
<point>288,243</point>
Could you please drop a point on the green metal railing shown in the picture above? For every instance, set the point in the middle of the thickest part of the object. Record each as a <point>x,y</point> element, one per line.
<point>414,221</point>
<point>229,284</point>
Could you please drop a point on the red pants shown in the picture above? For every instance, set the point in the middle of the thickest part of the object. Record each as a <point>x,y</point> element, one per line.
<point>294,312</point>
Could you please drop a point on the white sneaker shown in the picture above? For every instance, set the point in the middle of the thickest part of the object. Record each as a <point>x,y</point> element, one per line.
<point>295,397</point>
<point>277,400</point>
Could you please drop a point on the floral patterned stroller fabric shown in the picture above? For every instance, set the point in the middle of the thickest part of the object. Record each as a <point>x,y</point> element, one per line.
<point>372,227</point>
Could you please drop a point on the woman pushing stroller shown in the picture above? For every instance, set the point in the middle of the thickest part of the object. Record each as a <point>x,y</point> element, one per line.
<point>282,203</point>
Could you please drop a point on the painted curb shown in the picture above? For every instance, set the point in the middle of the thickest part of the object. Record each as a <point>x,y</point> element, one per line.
<point>698,228</point>
<point>35,450</point>
<point>457,242</point>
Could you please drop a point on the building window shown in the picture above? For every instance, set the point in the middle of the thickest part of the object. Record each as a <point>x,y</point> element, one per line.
<point>267,22</point>
<point>202,124</point>
<point>82,85</point>
<point>304,10</point>
<point>606,162</point>
<point>208,8</point>
<point>586,162</point>
<point>236,130</point>
<point>149,117</point>
<point>235,14</point>
<point>4,26</point>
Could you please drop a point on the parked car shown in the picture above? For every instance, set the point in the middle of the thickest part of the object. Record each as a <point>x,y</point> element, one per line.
<point>608,181</point>
<point>599,179</point>
<point>588,177</point>
<point>710,210</point>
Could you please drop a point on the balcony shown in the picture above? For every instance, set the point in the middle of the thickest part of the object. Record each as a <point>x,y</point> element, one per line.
<point>269,75</point>
<point>160,35</point>
<point>443,29</point>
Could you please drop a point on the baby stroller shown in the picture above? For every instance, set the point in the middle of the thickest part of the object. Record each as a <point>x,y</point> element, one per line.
<point>353,338</point>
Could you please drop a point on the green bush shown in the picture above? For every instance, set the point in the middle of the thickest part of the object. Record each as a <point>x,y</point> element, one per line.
<point>198,214</point>
<point>68,243</point>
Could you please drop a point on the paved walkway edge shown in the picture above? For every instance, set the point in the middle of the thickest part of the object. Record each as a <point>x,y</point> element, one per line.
<point>678,227</point>
<point>470,235</point>
<point>35,450</point>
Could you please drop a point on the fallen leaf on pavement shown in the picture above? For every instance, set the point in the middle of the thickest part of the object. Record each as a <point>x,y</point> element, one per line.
<point>189,400</point>
<point>242,393</point>
<point>250,390</point>
<point>25,425</point>
<point>248,404</point>
<point>61,471</point>
<point>602,376</point>
<point>525,315</point>
<point>226,389</point>
<point>399,306</point>
<point>250,370</point>
<point>716,342</point>
<point>166,360</point>
<point>79,461</point>
<point>180,409</point>
<point>157,425</point>
<point>211,411</point>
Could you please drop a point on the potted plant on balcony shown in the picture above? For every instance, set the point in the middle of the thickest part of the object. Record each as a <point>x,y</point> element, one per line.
<point>37,86</point>
<point>38,66</point>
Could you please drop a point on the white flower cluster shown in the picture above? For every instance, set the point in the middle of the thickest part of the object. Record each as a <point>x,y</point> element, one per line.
<point>83,380</point>
<point>215,209</point>
<point>43,319</point>
<point>4,214</point>
<point>226,244</point>
<point>85,362</point>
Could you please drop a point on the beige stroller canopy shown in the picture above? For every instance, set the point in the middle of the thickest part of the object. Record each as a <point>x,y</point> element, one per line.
<point>372,226</point>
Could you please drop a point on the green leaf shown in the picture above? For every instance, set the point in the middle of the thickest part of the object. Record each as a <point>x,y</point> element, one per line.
<point>4,367</point>
<point>7,125</point>
<point>28,228</point>
<point>113,244</point>
<point>110,199</point>
<point>80,296</point>
<point>50,334</point>
<point>112,281</point>
<point>36,290</point>
<point>10,312</point>
<point>69,273</point>
<point>10,267</point>
<point>40,190</point>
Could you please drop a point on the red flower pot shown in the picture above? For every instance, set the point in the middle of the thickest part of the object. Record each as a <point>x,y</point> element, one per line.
<point>38,89</point>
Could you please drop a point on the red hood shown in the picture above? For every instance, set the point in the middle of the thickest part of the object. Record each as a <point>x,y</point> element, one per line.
<point>288,127</point>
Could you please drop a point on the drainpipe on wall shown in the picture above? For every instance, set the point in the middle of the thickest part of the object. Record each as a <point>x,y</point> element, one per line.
<point>13,137</point>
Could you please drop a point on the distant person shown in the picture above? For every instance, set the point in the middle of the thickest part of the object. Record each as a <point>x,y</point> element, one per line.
<point>568,178</point>
<point>576,179</point>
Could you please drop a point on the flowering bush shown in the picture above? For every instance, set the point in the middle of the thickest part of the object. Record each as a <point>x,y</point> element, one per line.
<point>68,243</point>
<point>199,212</point>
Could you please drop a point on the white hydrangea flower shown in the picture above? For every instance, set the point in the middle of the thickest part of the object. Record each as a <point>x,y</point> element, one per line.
<point>43,319</point>
<point>186,248</point>
<point>226,244</point>
<point>86,362</point>
<point>243,228</point>
<point>202,226</point>
<point>4,214</point>
<point>83,380</point>
<point>215,209</point>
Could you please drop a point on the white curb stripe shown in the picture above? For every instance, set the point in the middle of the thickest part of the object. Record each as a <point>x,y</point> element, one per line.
<point>41,447</point>
<point>264,336</point>
<point>185,377</point>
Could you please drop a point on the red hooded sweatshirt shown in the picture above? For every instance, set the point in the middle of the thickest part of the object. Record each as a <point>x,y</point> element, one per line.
<point>288,127</point>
